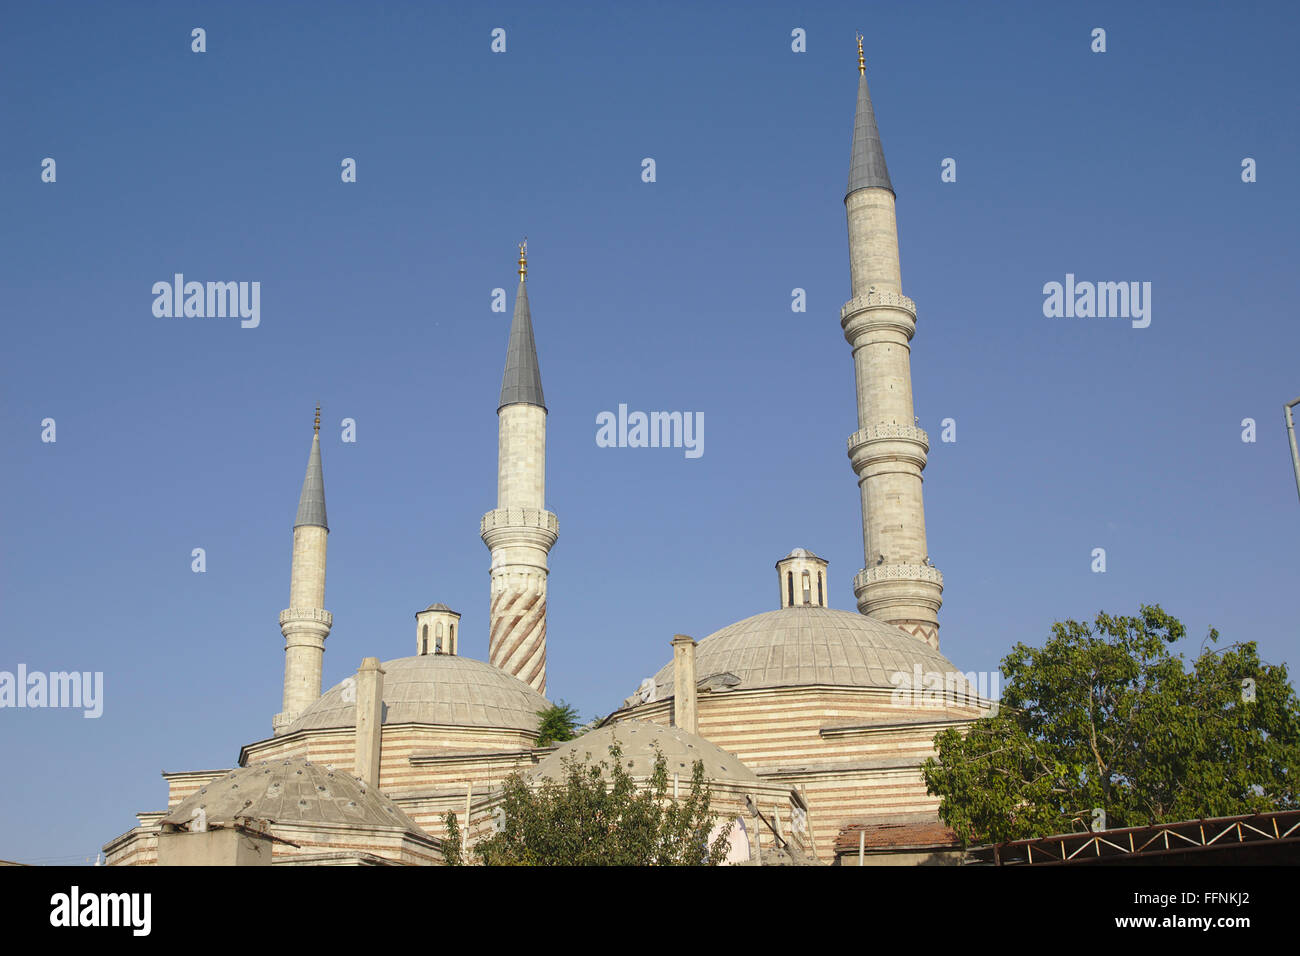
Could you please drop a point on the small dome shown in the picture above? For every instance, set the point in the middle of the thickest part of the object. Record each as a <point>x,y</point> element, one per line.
<point>292,790</point>
<point>638,740</point>
<point>810,645</point>
<point>801,553</point>
<point>436,689</point>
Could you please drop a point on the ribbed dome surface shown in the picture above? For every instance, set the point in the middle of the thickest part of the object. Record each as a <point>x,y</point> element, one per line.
<point>638,739</point>
<point>436,689</point>
<point>810,645</point>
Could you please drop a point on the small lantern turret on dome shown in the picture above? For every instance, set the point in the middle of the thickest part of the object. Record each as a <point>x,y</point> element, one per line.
<point>437,630</point>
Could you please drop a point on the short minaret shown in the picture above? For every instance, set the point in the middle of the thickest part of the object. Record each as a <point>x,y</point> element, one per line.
<point>520,531</point>
<point>802,576</point>
<point>888,451</point>
<point>437,630</point>
<point>305,623</point>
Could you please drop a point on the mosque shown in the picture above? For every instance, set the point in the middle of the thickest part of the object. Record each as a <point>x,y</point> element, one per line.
<point>807,718</point>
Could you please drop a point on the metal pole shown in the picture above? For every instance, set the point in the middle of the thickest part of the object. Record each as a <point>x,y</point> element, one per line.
<point>1290,431</point>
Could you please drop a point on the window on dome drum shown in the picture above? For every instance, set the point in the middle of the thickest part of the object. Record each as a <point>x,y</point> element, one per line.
<point>789,587</point>
<point>807,588</point>
<point>424,640</point>
<point>821,598</point>
<point>451,638</point>
<point>437,638</point>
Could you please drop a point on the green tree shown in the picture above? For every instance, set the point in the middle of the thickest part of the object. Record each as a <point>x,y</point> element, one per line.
<point>557,723</point>
<point>1105,717</point>
<point>591,819</point>
<point>451,843</point>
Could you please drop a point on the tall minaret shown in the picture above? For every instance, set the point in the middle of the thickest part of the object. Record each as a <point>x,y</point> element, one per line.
<point>899,584</point>
<point>520,532</point>
<point>305,623</point>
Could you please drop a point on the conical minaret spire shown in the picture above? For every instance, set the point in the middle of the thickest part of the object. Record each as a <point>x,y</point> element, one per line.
<point>311,503</point>
<point>305,623</point>
<point>899,583</point>
<point>520,532</point>
<point>867,167</point>
<point>522,381</point>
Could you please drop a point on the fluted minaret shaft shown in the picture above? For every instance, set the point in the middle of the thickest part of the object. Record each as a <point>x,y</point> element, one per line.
<point>520,531</point>
<point>305,623</point>
<point>888,451</point>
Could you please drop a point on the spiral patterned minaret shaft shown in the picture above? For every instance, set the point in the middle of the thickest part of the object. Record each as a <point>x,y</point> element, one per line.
<point>520,532</point>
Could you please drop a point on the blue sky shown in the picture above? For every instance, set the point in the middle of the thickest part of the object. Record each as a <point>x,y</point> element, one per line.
<point>172,434</point>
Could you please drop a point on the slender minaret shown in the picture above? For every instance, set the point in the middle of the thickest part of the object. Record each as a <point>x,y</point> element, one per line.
<point>305,623</point>
<point>899,584</point>
<point>520,532</point>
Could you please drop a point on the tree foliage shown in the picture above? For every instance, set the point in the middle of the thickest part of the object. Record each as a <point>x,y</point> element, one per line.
<point>451,844</point>
<point>598,816</point>
<point>557,723</point>
<point>1104,717</point>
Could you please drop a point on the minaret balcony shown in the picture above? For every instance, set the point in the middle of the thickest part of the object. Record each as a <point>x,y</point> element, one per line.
<point>519,527</point>
<point>519,518</point>
<point>897,572</point>
<point>877,299</point>
<point>313,614</point>
<point>878,310</point>
<point>887,441</point>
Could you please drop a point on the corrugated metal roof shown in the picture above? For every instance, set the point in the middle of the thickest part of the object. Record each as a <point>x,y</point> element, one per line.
<point>522,382</point>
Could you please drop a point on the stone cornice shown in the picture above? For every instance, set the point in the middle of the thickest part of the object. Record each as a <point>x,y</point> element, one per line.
<point>870,730</point>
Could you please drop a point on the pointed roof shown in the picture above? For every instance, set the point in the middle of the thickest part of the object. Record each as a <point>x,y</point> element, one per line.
<point>522,382</point>
<point>311,504</point>
<point>867,162</point>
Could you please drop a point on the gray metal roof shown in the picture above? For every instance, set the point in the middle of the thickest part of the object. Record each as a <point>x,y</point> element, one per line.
<point>311,504</point>
<point>811,645</point>
<point>867,162</point>
<point>436,689</point>
<point>522,382</point>
<point>638,740</point>
<point>293,790</point>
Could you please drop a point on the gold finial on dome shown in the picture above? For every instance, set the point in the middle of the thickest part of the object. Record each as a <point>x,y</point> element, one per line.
<point>862,62</point>
<point>317,427</point>
<point>523,259</point>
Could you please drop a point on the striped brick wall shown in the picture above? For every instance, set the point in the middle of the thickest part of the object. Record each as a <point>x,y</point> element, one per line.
<point>855,751</point>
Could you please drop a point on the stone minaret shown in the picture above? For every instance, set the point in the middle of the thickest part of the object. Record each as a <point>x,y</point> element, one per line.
<point>305,623</point>
<point>520,532</point>
<point>899,584</point>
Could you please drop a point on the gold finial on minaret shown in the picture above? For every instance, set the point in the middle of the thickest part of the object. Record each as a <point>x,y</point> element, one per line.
<point>523,259</point>
<point>317,428</point>
<point>862,62</point>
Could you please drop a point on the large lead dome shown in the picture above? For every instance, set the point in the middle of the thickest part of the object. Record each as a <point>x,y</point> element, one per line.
<point>810,645</point>
<point>435,689</point>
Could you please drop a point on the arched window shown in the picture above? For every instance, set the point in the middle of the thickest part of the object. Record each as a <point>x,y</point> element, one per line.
<point>789,588</point>
<point>451,638</point>
<point>437,638</point>
<point>424,640</point>
<point>807,588</point>
<point>821,597</point>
